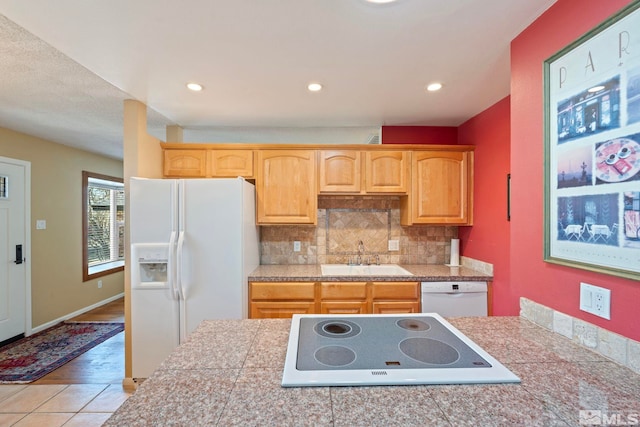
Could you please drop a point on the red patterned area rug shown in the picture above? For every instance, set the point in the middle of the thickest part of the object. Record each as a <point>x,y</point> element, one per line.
<point>35,356</point>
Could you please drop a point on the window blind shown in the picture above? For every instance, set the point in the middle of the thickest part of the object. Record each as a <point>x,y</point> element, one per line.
<point>105,213</point>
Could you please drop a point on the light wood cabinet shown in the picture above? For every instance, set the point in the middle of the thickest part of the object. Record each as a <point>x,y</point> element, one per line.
<point>283,299</point>
<point>442,189</point>
<point>343,298</point>
<point>395,307</point>
<point>395,297</point>
<point>286,187</point>
<point>366,172</point>
<point>232,163</point>
<point>387,171</point>
<point>185,163</point>
<point>201,163</point>
<point>340,171</point>
<point>434,182</point>
<point>280,309</point>
<point>343,307</point>
<point>282,291</point>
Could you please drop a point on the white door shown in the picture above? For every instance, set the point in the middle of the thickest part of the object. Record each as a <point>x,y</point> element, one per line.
<point>14,241</point>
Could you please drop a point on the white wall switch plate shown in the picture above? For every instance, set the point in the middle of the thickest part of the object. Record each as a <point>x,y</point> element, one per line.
<point>296,246</point>
<point>41,224</point>
<point>595,300</point>
<point>394,245</point>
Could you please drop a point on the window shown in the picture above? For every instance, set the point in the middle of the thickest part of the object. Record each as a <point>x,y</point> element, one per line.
<point>102,225</point>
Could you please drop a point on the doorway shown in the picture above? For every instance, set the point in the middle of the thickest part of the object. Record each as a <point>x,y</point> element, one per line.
<point>15,249</point>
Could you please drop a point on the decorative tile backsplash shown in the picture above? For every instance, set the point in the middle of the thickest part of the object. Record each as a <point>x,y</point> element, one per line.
<point>343,221</point>
<point>618,348</point>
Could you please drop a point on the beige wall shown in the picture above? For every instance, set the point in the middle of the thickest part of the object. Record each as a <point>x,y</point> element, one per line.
<point>56,196</point>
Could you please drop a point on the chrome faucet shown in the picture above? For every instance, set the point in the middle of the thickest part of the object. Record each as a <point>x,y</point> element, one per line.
<point>360,252</point>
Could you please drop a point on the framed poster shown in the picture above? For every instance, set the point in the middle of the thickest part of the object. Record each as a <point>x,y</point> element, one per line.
<point>592,149</point>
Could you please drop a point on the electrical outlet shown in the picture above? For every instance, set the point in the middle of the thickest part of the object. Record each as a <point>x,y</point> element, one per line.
<point>595,300</point>
<point>394,245</point>
<point>99,284</point>
<point>41,224</point>
<point>296,246</point>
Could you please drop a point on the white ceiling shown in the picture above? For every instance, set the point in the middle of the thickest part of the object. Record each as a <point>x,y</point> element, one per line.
<point>67,65</point>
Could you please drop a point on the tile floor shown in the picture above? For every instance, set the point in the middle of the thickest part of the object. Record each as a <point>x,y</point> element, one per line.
<point>50,405</point>
<point>84,392</point>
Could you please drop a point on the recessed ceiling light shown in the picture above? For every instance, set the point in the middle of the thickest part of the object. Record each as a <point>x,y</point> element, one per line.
<point>314,87</point>
<point>194,87</point>
<point>434,87</point>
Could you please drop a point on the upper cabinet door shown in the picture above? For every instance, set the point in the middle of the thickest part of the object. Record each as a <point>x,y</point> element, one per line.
<point>185,163</point>
<point>387,171</point>
<point>286,187</point>
<point>442,187</point>
<point>232,163</point>
<point>340,171</point>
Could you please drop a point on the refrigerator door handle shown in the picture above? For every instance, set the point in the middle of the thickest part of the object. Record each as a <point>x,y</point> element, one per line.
<point>171,266</point>
<point>179,288</point>
<point>181,293</point>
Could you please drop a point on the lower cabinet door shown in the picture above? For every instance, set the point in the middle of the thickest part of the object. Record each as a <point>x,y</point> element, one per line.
<point>280,310</point>
<point>343,307</point>
<point>391,307</point>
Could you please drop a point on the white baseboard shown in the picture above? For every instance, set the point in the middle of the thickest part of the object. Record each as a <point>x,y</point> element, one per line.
<point>74,314</point>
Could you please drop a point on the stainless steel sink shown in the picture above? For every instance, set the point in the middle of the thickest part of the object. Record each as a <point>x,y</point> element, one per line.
<point>363,270</point>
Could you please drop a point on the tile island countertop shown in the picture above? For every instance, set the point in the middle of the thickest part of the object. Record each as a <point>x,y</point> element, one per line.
<point>312,272</point>
<point>229,373</point>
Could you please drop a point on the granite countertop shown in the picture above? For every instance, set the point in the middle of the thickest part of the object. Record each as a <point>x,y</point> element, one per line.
<point>311,272</point>
<point>229,373</point>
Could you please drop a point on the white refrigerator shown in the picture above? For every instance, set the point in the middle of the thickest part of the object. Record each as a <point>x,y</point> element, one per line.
<point>193,244</point>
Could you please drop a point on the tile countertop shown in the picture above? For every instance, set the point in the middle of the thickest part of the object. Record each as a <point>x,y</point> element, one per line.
<point>311,272</point>
<point>229,373</point>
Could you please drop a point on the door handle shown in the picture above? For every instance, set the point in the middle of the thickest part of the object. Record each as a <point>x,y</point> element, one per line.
<point>19,258</point>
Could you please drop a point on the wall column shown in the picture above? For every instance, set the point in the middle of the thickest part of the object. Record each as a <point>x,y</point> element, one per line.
<point>174,134</point>
<point>142,157</point>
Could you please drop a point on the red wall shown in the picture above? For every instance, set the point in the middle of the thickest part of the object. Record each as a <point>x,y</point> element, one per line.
<point>548,284</point>
<point>419,135</point>
<point>488,239</point>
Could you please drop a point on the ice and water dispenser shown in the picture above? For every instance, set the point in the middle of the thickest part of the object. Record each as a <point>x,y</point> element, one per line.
<point>150,265</point>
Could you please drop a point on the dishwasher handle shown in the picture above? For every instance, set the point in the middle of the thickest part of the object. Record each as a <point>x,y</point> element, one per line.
<point>453,287</point>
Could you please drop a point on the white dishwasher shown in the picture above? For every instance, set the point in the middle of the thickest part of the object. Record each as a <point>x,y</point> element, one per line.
<point>453,299</point>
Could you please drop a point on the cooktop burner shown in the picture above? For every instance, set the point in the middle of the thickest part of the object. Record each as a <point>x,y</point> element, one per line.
<point>385,349</point>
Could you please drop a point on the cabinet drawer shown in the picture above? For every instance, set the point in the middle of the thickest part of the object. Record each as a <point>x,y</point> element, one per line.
<point>279,310</point>
<point>388,307</point>
<point>343,291</point>
<point>343,307</point>
<point>282,291</point>
<point>395,290</point>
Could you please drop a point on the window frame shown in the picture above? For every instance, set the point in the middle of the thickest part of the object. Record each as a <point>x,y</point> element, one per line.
<point>92,272</point>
